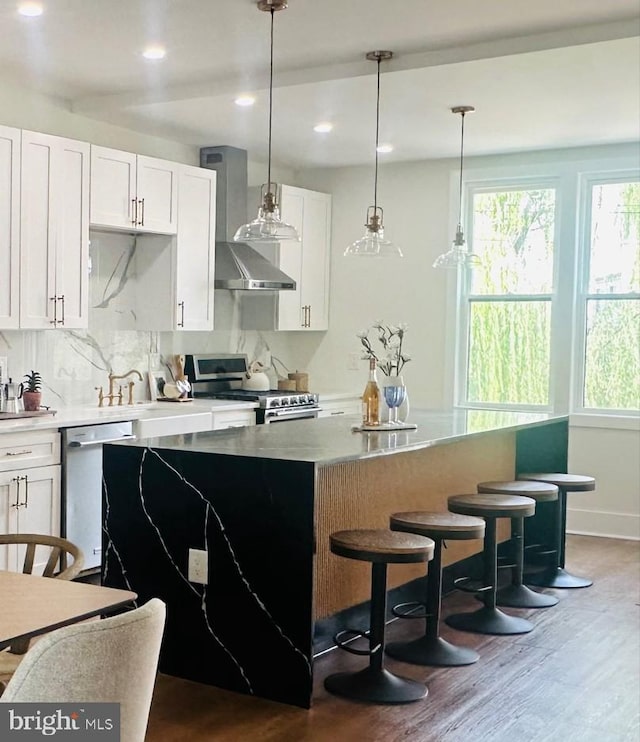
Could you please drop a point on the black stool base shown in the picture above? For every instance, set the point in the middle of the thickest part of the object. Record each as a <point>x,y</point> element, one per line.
<point>519,596</point>
<point>489,621</point>
<point>432,651</point>
<point>557,577</point>
<point>375,686</point>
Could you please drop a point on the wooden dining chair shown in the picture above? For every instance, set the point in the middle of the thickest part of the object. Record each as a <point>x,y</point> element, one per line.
<point>57,565</point>
<point>113,660</point>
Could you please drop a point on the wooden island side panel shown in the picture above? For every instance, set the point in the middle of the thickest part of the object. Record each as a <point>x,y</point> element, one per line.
<point>363,494</point>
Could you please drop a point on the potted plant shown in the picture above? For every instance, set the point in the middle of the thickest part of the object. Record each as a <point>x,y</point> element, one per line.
<point>31,393</point>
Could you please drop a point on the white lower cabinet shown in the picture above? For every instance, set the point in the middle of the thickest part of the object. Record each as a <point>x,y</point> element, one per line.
<point>342,406</point>
<point>29,491</point>
<point>29,503</point>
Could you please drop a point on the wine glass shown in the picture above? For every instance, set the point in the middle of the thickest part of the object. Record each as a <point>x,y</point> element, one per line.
<point>394,395</point>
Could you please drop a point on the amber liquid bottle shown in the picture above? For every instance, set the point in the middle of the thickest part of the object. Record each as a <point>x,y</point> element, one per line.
<point>371,398</point>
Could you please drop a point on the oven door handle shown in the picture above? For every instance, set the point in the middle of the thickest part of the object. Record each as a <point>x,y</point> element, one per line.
<point>293,412</point>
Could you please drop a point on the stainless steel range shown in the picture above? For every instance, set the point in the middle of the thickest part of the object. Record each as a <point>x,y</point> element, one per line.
<point>221,376</point>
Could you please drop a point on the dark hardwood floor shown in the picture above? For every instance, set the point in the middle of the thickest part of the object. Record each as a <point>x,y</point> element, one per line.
<point>575,677</point>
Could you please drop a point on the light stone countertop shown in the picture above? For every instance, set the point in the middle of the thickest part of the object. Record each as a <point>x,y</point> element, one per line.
<point>68,417</point>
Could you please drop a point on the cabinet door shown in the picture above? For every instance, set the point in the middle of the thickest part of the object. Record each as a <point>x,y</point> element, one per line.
<point>37,232</point>
<point>9,227</point>
<point>54,234</point>
<point>157,194</point>
<point>195,248</point>
<point>290,313</point>
<point>29,503</point>
<point>316,235</point>
<point>113,188</point>
<point>72,233</point>
<point>8,516</point>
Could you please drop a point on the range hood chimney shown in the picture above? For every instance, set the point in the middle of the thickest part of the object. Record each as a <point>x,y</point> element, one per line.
<point>238,266</point>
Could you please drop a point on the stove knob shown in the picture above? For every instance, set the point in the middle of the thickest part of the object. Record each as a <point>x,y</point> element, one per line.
<point>293,400</point>
<point>274,403</point>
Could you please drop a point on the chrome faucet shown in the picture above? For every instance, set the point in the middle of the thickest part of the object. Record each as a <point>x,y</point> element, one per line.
<point>111,395</point>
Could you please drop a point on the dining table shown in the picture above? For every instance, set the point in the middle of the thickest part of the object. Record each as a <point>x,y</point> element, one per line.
<point>31,605</point>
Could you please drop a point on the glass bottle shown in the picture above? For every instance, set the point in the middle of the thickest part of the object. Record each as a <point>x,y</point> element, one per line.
<point>371,398</point>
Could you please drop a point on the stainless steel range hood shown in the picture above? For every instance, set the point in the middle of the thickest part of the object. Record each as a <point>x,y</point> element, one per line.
<point>238,265</point>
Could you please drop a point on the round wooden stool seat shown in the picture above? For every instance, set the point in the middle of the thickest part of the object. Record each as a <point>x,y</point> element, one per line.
<point>450,526</point>
<point>516,594</point>
<point>431,648</point>
<point>382,546</point>
<point>492,506</point>
<point>489,619</point>
<point>568,482</point>
<point>374,683</point>
<point>539,491</point>
<point>556,575</point>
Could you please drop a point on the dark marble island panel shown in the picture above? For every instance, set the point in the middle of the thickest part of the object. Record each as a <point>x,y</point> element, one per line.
<point>261,501</point>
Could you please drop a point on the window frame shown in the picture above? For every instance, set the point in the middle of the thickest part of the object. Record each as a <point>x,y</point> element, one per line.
<point>572,180</point>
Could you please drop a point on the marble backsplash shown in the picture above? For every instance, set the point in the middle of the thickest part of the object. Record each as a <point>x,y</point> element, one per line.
<point>73,363</point>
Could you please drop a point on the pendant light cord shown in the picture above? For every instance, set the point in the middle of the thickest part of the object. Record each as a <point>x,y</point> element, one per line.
<point>270,102</point>
<point>375,179</point>
<point>462,113</point>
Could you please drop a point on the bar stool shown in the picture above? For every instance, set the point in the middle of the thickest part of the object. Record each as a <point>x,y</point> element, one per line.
<point>557,576</point>
<point>489,619</point>
<point>516,594</point>
<point>431,648</point>
<point>380,547</point>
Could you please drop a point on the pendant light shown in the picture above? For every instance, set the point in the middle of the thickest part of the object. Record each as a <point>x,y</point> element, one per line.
<point>268,226</point>
<point>458,255</point>
<point>373,242</point>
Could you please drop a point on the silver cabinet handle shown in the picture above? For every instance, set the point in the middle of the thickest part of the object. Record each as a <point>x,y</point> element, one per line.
<point>87,444</point>
<point>309,325</point>
<point>25,479</point>
<point>141,202</point>
<point>16,504</point>
<point>134,211</point>
<point>18,453</point>
<point>61,300</point>
<point>181,305</point>
<point>54,321</point>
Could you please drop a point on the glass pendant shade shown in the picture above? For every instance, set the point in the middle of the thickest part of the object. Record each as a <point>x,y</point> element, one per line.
<point>268,226</point>
<point>373,243</point>
<point>458,256</point>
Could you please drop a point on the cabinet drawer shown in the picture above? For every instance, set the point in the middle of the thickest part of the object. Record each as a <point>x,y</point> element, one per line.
<point>24,450</point>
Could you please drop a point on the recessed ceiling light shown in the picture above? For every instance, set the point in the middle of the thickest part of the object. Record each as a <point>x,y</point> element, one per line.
<point>385,148</point>
<point>245,100</point>
<point>31,9</point>
<point>323,127</point>
<point>154,52</point>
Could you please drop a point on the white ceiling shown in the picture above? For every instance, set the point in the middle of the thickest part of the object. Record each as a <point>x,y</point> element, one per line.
<point>541,75</point>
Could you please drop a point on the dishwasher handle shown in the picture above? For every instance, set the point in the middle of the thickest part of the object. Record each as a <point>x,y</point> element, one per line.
<point>100,441</point>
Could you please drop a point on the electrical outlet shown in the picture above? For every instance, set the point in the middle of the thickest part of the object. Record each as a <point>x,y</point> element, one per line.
<point>354,362</point>
<point>198,566</point>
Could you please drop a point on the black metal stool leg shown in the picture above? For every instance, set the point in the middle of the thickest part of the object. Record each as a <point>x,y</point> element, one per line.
<point>517,595</point>
<point>489,619</point>
<point>432,649</point>
<point>374,683</point>
<point>557,576</point>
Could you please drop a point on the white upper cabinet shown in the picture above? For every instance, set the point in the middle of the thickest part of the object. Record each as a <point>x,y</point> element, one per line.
<point>133,192</point>
<point>54,232</point>
<point>307,262</point>
<point>306,308</point>
<point>195,248</point>
<point>9,227</point>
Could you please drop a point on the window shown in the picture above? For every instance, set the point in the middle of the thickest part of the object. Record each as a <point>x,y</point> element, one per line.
<point>550,318</point>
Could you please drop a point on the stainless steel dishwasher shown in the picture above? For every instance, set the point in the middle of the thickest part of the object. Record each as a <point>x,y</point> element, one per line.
<point>82,485</point>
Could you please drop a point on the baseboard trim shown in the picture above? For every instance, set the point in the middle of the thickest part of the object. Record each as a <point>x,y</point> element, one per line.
<point>607,525</point>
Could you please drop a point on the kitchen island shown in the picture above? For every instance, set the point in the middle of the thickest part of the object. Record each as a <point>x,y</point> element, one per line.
<point>262,501</point>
